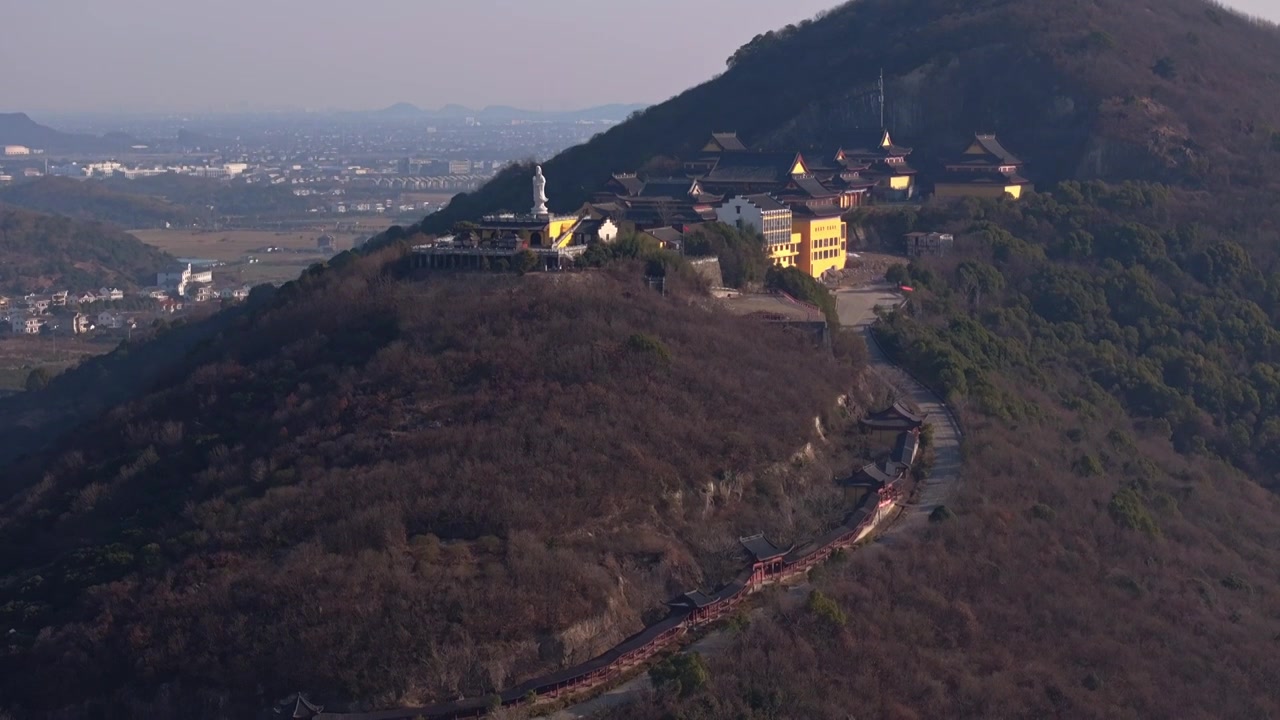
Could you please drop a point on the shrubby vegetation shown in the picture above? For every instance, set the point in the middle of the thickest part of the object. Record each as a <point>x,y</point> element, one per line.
<point>42,252</point>
<point>153,201</point>
<point>741,251</point>
<point>399,492</point>
<point>1095,292</point>
<point>1065,329</point>
<point>803,287</point>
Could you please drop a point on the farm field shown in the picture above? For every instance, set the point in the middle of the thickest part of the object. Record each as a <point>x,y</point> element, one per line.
<point>232,246</point>
<point>20,355</point>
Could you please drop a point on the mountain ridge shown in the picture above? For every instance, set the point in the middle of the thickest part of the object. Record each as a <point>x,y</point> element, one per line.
<point>1182,93</point>
<point>19,129</point>
<point>42,253</point>
<point>491,113</point>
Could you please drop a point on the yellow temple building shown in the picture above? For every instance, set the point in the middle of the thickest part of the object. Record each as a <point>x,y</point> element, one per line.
<point>984,170</point>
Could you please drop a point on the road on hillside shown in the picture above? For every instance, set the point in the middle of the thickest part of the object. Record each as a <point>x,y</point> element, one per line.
<point>857,310</point>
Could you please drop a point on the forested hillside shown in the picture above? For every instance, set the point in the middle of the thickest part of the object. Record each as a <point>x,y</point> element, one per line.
<point>153,201</point>
<point>1128,292</point>
<point>1171,90</point>
<point>1112,356</point>
<point>43,252</point>
<point>394,491</point>
<point>94,200</point>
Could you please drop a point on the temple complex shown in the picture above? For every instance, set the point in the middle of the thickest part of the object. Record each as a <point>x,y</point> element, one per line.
<point>500,241</point>
<point>985,169</point>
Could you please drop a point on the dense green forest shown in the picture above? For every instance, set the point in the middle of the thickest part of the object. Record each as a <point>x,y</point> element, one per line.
<point>1180,91</point>
<point>42,252</point>
<point>426,487</point>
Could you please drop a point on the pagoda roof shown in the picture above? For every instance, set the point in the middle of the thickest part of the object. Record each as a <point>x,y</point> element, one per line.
<point>870,143</point>
<point>896,417</point>
<point>987,145</point>
<point>854,181</point>
<point>670,187</point>
<point>606,209</point>
<point>765,202</point>
<point>666,235</point>
<point>817,212</point>
<point>980,177</point>
<point>811,186</point>
<point>875,476</point>
<point>755,167</point>
<point>696,599</point>
<point>630,184</point>
<point>724,142</point>
<point>761,549</point>
<point>904,450</point>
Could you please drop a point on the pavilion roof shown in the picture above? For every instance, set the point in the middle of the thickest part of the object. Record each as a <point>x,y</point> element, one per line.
<point>761,549</point>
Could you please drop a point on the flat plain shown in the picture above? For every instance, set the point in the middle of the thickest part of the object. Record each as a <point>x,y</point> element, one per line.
<point>298,250</point>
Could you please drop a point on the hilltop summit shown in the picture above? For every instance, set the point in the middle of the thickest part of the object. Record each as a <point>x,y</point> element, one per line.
<point>1181,91</point>
<point>516,472</point>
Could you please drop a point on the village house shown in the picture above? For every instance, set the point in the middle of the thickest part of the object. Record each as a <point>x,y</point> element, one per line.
<point>110,294</point>
<point>81,324</point>
<point>169,305</point>
<point>984,170</point>
<point>26,325</point>
<point>87,298</point>
<point>59,299</point>
<point>108,320</point>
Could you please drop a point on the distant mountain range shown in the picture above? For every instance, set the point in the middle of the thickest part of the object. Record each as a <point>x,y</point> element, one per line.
<point>19,129</point>
<point>506,113</point>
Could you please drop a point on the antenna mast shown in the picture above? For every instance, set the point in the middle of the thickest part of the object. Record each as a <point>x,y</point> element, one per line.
<point>881,98</point>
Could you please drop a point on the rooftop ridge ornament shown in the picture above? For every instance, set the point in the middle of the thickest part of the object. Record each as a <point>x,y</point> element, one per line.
<point>540,193</point>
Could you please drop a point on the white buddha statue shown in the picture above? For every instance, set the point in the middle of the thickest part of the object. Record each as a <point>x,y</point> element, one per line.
<point>540,193</point>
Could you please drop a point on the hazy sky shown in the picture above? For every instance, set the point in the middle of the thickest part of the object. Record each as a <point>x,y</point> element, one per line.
<point>121,55</point>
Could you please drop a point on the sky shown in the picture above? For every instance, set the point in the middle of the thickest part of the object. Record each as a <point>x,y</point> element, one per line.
<point>225,55</point>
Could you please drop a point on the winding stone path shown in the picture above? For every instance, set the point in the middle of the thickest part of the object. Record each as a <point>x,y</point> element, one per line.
<point>857,310</point>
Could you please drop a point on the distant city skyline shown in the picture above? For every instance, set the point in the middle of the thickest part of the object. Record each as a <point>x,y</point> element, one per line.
<point>258,55</point>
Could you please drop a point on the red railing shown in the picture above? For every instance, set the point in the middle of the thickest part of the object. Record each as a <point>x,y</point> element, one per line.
<point>634,651</point>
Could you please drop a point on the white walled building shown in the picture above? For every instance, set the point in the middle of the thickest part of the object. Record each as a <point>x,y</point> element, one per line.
<point>762,213</point>
<point>16,150</point>
<point>26,325</point>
